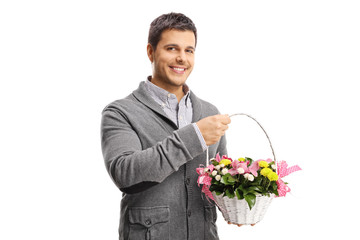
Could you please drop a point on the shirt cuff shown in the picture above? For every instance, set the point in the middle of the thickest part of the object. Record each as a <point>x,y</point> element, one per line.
<point>201,138</point>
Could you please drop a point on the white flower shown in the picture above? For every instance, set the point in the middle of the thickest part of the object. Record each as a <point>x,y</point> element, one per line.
<point>217,167</point>
<point>249,177</point>
<point>206,169</point>
<point>218,177</point>
<point>273,166</point>
<point>240,170</point>
<point>224,171</point>
<point>222,165</point>
<point>214,173</point>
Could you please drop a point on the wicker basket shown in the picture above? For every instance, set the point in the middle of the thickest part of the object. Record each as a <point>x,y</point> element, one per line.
<point>237,211</point>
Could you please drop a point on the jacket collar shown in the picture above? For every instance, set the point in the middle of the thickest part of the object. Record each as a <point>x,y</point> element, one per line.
<point>142,95</point>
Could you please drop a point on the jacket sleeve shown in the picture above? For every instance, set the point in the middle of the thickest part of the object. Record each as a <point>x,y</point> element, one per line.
<point>134,169</point>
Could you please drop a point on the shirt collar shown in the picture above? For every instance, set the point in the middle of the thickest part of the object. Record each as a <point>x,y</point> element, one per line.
<point>162,96</point>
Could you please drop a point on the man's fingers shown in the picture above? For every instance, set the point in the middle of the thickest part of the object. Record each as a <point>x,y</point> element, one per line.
<point>213,128</point>
<point>225,119</point>
<point>239,225</point>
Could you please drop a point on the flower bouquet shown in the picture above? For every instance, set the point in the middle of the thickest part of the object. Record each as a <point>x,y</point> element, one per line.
<point>243,188</point>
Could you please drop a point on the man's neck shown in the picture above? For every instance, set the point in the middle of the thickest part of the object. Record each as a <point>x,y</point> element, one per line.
<point>178,91</point>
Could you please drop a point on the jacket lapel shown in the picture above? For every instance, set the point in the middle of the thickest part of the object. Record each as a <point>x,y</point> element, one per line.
<point>142,96</point>
<point>197,107</point>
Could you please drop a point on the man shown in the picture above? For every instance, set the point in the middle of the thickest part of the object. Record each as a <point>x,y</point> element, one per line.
<point>154,139</point>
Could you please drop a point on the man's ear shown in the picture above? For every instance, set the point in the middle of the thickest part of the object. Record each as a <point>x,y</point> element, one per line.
<point>150,52</point>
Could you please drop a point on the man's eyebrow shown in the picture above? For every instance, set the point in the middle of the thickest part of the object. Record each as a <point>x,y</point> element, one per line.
<point>171,45</point>
<point>176,45</point>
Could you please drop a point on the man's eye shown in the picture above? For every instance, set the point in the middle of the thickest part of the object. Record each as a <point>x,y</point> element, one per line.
<point>190,51</point>
<point>171,48</point>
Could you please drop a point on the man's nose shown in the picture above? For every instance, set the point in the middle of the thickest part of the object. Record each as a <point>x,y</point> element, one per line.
<point>181,58</point>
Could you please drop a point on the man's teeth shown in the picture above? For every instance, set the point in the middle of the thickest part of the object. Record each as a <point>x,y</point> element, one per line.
<point>179,69</point>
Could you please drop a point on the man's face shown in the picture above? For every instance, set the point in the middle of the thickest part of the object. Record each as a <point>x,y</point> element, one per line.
<point>173,59</point>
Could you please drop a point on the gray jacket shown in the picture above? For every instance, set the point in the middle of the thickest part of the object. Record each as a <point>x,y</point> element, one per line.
<point>154,164</point>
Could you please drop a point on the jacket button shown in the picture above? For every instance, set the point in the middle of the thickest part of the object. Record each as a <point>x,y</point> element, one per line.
<point>187,181</point>
<point>148,222</point>
<point>189,213</point>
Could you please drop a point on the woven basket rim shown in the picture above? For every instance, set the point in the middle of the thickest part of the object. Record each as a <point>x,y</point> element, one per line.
<point>271,195</point>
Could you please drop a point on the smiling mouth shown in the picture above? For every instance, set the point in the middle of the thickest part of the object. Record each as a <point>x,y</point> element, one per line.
<point>179,70</point>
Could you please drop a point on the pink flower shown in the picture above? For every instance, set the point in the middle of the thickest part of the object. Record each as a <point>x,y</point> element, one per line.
<point>218,158</point>
<point>204,177</point>
<point>254,168</point>
<point>269,160</point>
<point>244,165</point>
<point>210,167</point>
<point>235,166</point>
<point>226,157</point>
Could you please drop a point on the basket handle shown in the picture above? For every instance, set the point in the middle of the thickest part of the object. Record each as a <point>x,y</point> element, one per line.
<point>267,136</point>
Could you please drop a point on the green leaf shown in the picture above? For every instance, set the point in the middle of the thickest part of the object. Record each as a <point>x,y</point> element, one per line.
<point>239,194</point>
<point>214,162</point>
<point>244,190</point>
<point>257,181</point>
<point>230,178</point>
<point>256,189</point>
<point>215,182</point>
<point>250,160</point>
<point>229,193</point>
<point>215,188</point>
<point>223,180</point>
<point>274,185</point>
<point>250,199</point>
<point>227,179</point>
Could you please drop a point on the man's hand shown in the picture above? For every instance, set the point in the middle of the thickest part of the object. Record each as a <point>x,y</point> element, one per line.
<point>213,128</point>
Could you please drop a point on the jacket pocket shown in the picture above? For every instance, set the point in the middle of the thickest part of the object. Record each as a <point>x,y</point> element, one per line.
<point>150,223</point>
<point>210,226</point>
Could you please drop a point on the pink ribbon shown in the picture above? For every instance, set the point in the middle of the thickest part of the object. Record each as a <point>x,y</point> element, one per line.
<point>204,179</point>
<point>208,194</point>
<point>283,170</point>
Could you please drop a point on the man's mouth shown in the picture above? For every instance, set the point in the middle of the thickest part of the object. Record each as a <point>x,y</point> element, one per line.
<point>179,70</point>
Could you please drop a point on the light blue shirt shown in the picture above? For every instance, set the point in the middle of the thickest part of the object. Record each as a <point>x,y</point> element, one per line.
<point>180,113</point>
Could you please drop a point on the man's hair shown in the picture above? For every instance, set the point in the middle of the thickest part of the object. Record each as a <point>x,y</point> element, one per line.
<point>168,21</point>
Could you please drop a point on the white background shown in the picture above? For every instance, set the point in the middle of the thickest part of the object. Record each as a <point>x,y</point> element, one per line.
<point>291,64</point>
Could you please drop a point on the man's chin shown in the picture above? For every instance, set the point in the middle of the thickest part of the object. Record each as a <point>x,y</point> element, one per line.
<point>178,81</point>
